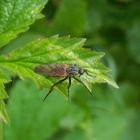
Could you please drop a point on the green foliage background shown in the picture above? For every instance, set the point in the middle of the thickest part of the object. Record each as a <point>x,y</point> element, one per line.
<point>110,26</point>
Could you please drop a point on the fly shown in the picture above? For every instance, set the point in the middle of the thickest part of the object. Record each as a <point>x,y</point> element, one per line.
<point>67,71</point>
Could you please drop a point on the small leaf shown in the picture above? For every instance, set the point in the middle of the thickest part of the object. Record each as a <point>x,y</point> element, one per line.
<point>16,16</point>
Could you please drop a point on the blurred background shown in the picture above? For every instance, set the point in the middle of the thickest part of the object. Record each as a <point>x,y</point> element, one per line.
<point>111,26</point>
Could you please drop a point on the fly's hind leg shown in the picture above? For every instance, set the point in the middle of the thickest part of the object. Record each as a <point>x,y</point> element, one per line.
<point>54,86</point>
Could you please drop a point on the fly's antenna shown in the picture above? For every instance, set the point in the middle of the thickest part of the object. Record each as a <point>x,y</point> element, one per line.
<point>88,73</point>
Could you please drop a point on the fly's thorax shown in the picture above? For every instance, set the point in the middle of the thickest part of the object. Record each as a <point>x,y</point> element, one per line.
<point>72,70</point>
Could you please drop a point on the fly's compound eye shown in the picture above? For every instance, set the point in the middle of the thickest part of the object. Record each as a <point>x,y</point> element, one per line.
<point>73,65</point>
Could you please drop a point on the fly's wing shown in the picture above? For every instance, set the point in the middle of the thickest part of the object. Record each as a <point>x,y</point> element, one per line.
<point>52,70</point>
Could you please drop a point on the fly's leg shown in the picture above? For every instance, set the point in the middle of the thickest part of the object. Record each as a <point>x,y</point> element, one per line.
<point>69,88</point>
<point>54,86</point>
<point>82,84</point>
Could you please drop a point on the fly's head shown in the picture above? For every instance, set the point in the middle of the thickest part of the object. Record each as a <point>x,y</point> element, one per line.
<point>81,71</point>
<point>73,70</point>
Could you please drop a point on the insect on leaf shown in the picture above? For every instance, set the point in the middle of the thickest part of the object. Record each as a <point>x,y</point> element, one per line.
<point>63,50</point>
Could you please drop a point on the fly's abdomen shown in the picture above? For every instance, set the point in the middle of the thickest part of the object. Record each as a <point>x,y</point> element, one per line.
<point>52,70</point>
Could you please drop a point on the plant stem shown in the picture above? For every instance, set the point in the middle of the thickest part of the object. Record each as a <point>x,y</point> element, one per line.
<point>1,130</point>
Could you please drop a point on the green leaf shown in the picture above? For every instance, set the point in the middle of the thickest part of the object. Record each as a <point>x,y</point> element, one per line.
<point>51,50</point>
<point>3,94</point>
<point>4,78</point>
<point>21,41</point>
<point>3,112</point>
<point>16,16</point>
